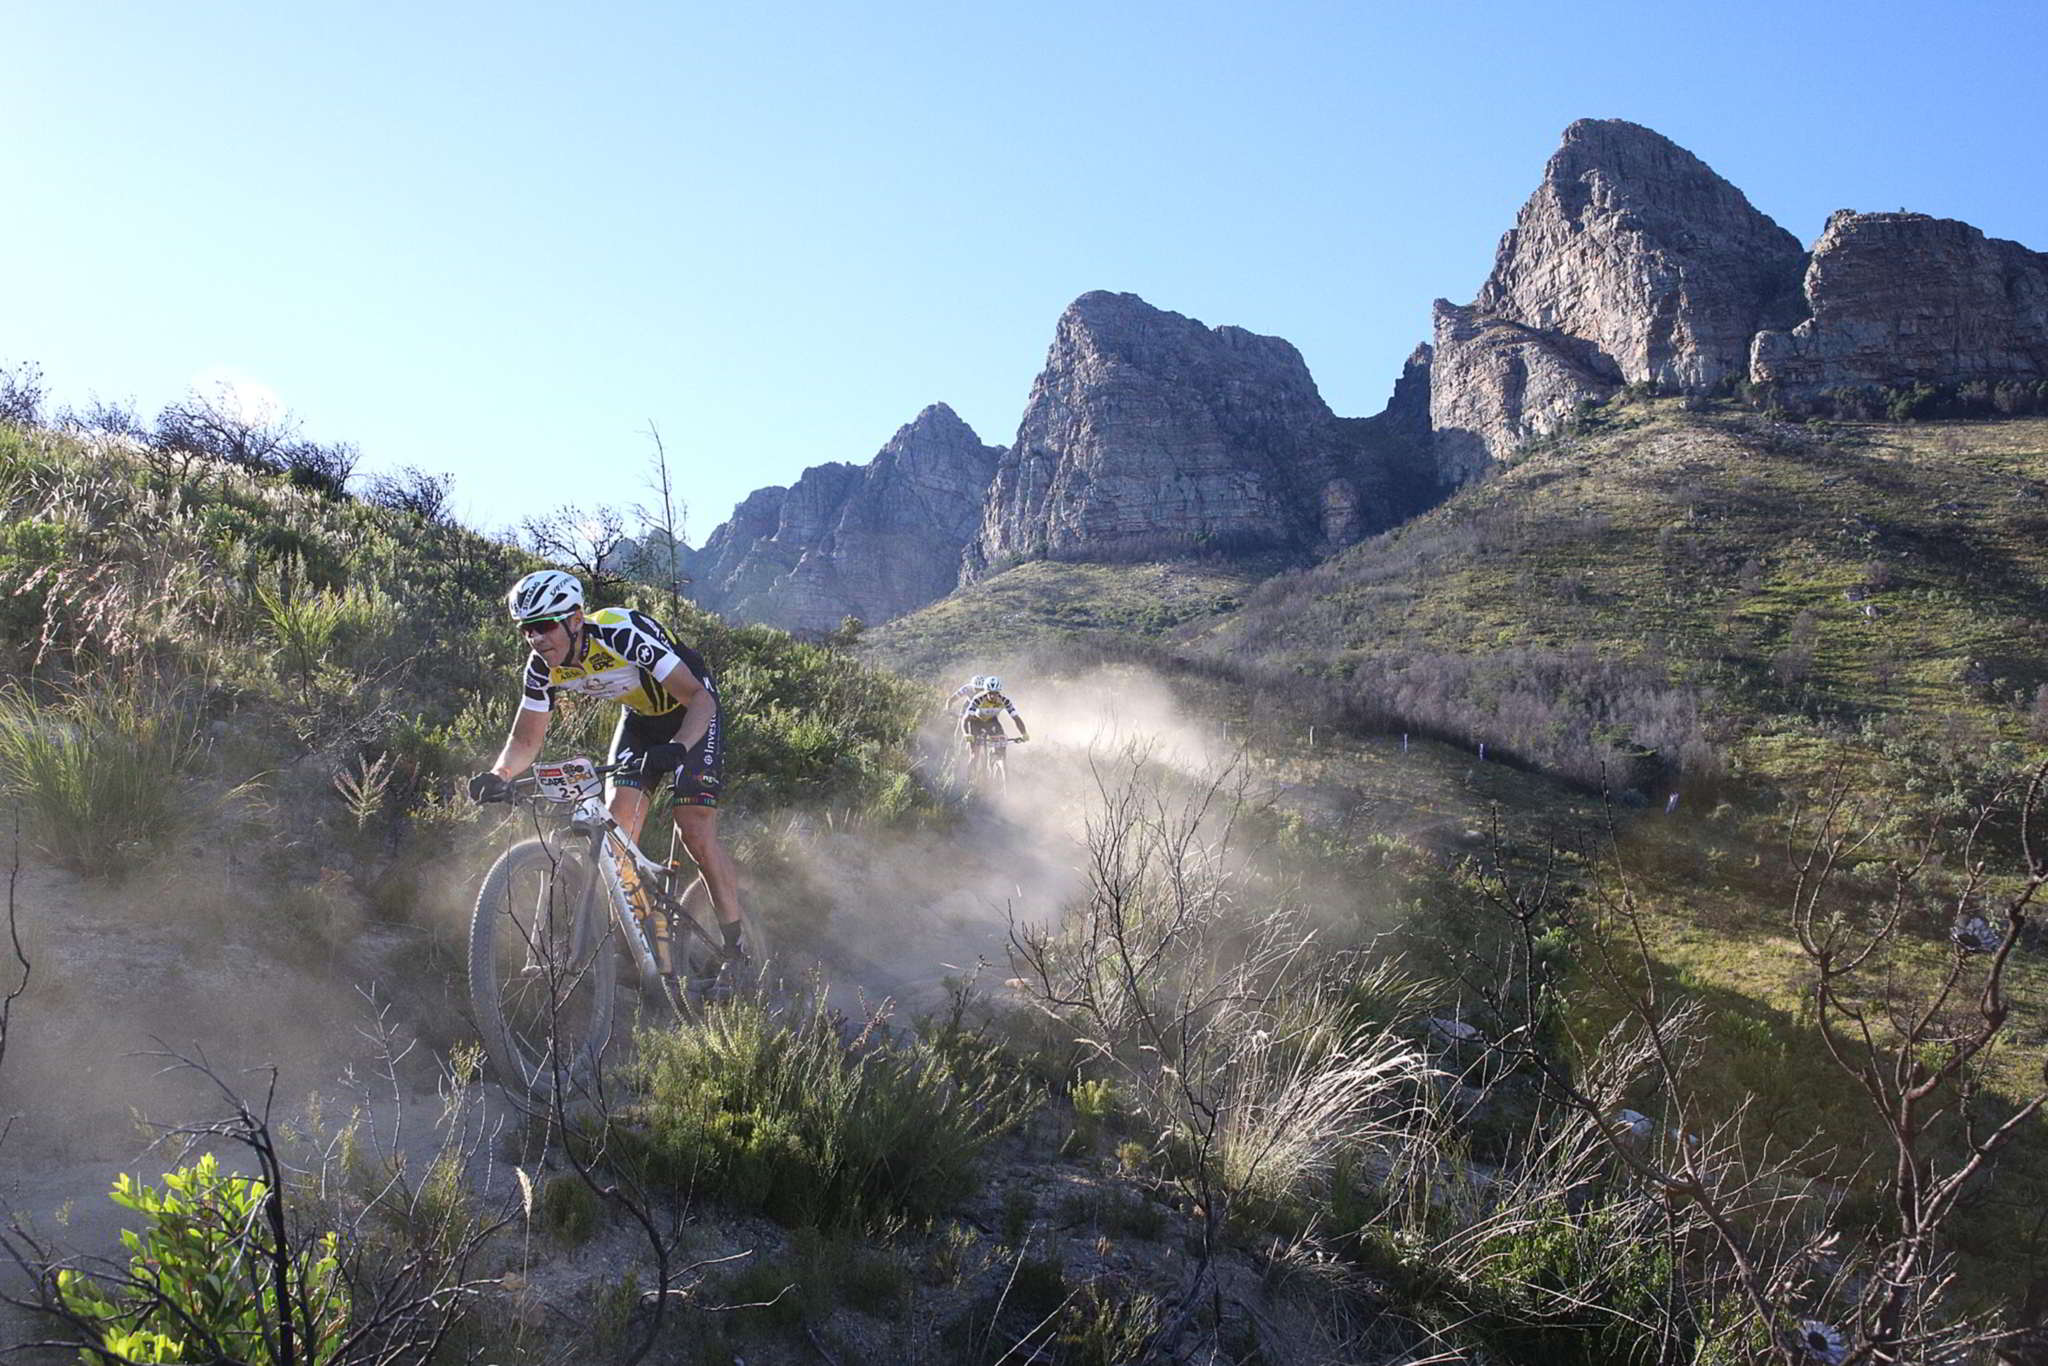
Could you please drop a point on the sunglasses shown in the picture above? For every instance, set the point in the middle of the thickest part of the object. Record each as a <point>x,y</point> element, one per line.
<point>540,626</point>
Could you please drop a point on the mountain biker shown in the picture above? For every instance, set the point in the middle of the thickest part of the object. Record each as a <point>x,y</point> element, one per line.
<point>668,728</point>
<point>983,716</point>
<point>976,684</point>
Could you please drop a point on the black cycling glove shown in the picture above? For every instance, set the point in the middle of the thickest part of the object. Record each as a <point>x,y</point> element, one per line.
<point>489,787</point>
<point>662,760</point>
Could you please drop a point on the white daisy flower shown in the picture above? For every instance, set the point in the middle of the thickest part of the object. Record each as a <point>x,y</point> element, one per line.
<point>1975,935</point>
<point>1821,1342</point>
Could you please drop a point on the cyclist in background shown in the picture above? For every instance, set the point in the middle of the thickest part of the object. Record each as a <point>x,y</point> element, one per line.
<point>668,728</point>
<point>974,685</point>
<point>983,716</point>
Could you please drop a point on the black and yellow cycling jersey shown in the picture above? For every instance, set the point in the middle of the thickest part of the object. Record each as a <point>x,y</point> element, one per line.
<point>625,657</point>
<point>989,705</point>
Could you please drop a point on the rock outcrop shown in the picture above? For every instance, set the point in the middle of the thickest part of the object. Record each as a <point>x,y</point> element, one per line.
<point>1900,298</point>
<point>1633,262</point>
<point>1150,433</point>
<point>1495,384</point>
<point>1398,475</point>
<point>872,541</point>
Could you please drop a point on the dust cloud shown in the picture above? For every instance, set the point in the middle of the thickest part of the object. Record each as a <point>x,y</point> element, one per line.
<point>901,913</point>
<point>193,958</point>
<point>198,955</point>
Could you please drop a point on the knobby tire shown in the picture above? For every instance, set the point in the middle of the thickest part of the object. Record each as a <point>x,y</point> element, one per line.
<point>543,967</point>
<point>694,957</point>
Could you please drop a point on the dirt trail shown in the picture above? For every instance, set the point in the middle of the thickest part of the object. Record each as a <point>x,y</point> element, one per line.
<point>173,962</point>
<point>179,960</point>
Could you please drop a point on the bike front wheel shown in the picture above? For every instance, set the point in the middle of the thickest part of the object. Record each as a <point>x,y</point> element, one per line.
<point>542,967</point>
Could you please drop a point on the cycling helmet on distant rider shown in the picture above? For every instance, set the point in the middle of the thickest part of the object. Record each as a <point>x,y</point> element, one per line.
<point>544,593</point>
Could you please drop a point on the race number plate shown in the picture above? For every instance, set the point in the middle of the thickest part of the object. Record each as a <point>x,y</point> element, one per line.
<point>569,781</point>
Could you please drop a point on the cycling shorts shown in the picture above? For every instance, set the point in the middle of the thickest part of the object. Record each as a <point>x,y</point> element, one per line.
<point>980,728</point>
<point>697,779</point>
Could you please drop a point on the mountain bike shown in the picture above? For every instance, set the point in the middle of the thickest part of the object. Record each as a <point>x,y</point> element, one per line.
<point>555,916</point>
<point>986,767</point>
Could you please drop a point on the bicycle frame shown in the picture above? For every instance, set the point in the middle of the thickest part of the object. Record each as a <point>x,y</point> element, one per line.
<point>575,783</point>
<point>986,752</point>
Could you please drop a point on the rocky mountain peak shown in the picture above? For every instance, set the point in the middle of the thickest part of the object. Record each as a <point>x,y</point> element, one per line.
<point>1899,298</point>
<point>1149,431</point>
<point>872,541</point>
<point>1634,244</point>
<point>1633,262</point>
<point>937,439</point>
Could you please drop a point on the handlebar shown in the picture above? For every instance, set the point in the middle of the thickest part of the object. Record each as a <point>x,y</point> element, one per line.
<point>526,784</point>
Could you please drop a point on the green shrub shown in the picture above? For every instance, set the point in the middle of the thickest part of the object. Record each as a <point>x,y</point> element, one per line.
<point>98,770</point>
<point>778,1113</point>
<point>1585,1289</point>
<point>1095,1112</point>
<point>1105,1326</point>
<point>200,1283</point>
<point>569,1210</point>
<point>1038,1315</point>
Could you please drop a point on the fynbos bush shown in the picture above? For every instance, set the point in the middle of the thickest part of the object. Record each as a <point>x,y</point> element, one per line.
<point>779,1113</point>
<point>99,770</point>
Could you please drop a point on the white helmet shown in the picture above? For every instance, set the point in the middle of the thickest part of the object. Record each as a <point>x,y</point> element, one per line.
<point>544,593</point>
<point>992,683</point>
<point>981,681</point>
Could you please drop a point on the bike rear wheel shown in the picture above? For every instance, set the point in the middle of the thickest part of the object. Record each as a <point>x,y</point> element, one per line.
<point>697,949</point>
<point>542,967</point>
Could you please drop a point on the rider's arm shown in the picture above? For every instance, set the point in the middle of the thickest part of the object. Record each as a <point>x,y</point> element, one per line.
<point>522,746</point>
<point>700,704</point>
<point>1023,733</point>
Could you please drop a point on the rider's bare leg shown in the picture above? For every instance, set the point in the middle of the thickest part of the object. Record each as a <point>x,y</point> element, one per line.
<point>697,827</point>
<point>629,809</point>
<point>699,891</point>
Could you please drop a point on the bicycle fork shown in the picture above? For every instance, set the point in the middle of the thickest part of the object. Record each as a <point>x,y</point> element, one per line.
<point>644,957</point>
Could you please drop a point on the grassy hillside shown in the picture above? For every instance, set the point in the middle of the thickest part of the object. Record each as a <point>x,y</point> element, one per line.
<point>1743,596</point>
<point>1044,605</point>
<point>1751,614</point>
<point>1263,1085</point>
<point>305,680</point>
<point>271,622</point>
<point>1672,599</point>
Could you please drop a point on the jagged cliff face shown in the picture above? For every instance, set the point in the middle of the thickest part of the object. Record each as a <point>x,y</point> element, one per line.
<point>1148,432</point>
<point>1495,383</point>
<point>1901,297</point>
<point>1632,263</point>
<point>871,541</point>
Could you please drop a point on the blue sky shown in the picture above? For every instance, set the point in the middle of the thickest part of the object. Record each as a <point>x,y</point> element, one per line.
<point>496,240</point>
